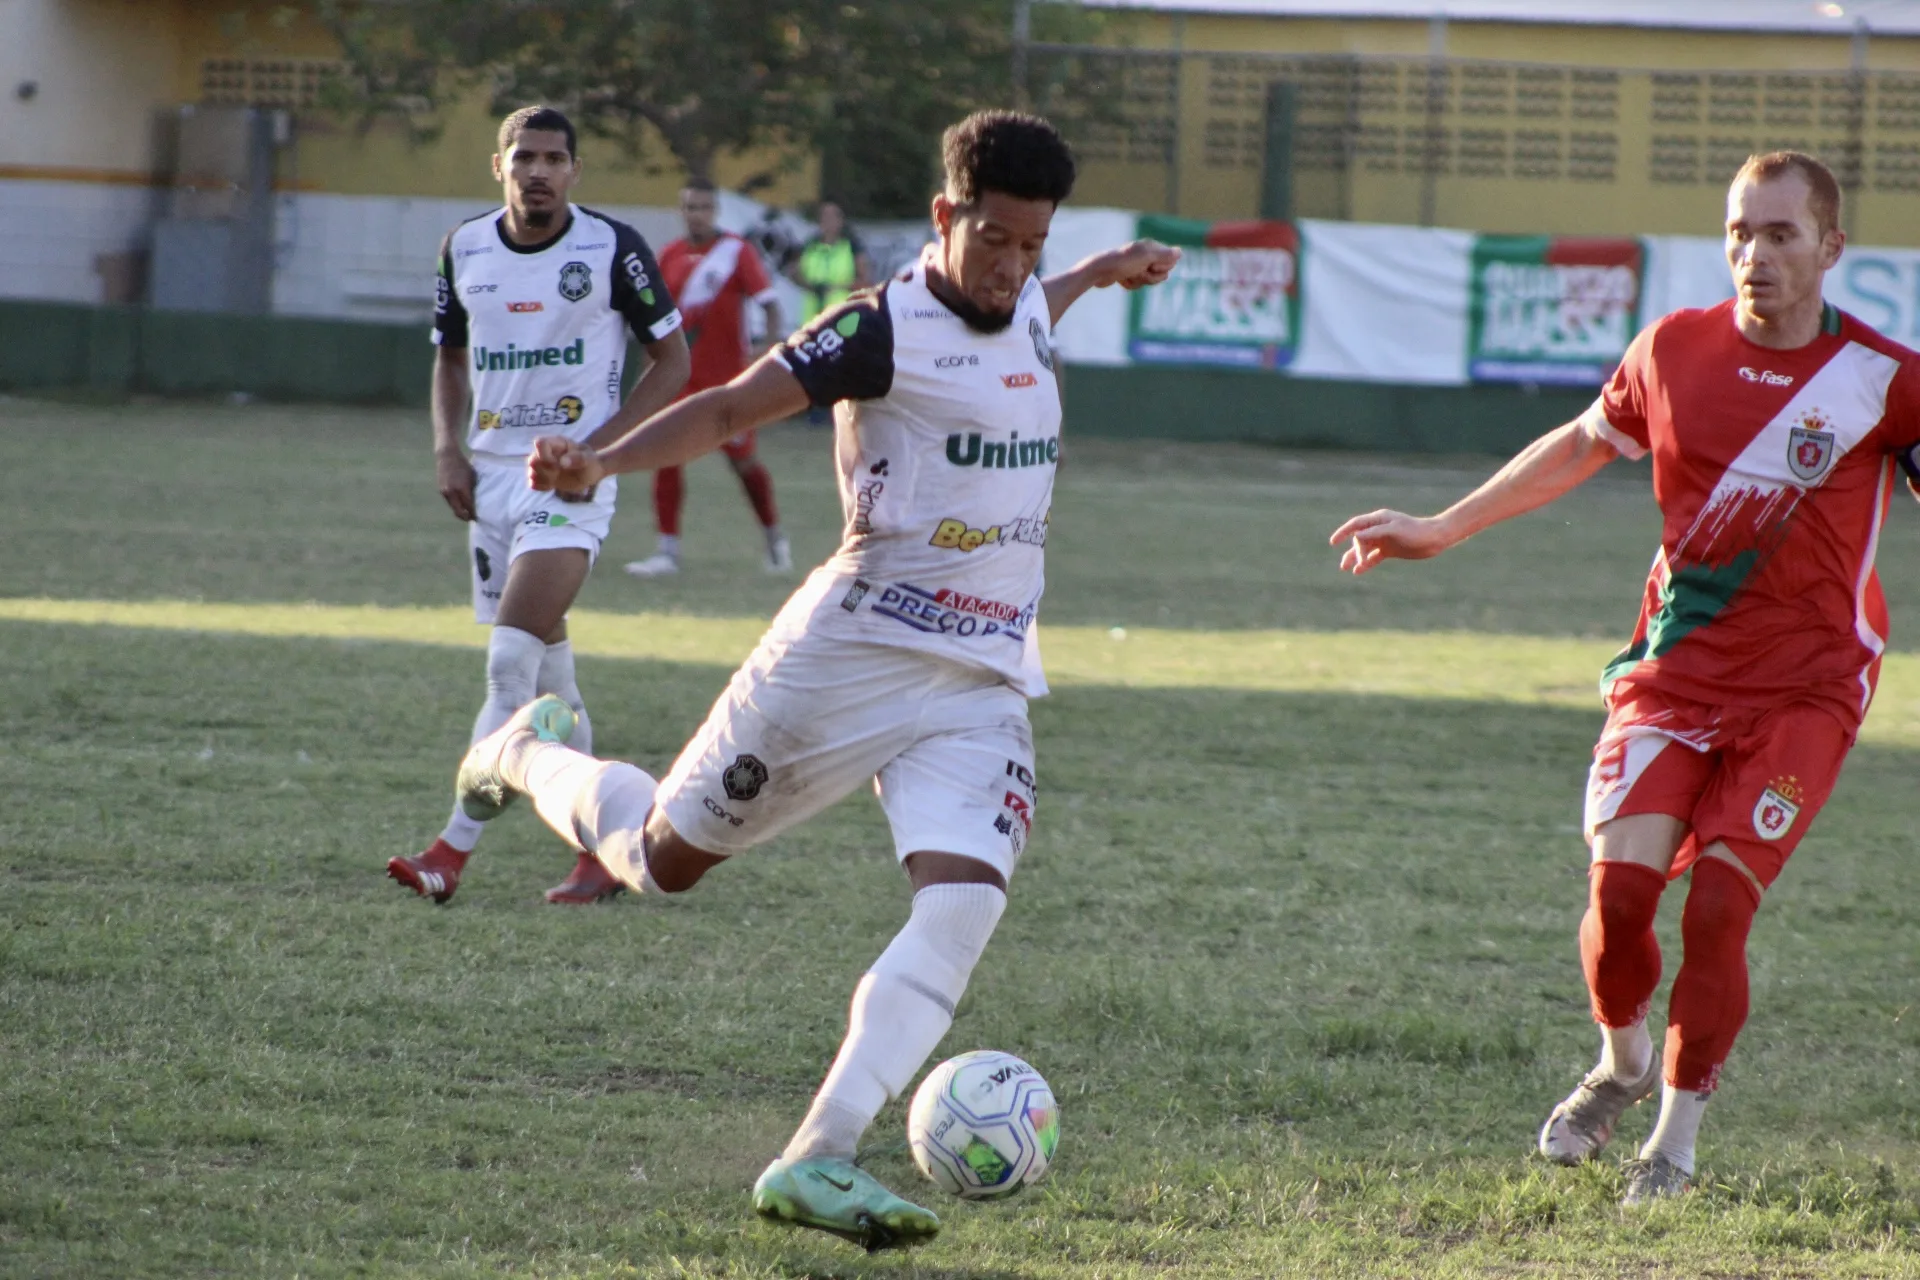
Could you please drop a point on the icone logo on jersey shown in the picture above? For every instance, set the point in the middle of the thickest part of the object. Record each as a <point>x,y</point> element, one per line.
<point>486,360</point>
<point>971,450</point>
<point>955,362</point>
<point>1765,377</point>
<point>956,535</point>
<point>563,412</point>
<point>481,288</point>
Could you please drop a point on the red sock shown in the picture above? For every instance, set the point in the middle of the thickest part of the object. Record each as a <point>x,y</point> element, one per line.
<point>1709,1003</point>
<point>668,488</point>
<point>1618,951</point>
<point>758,482</point>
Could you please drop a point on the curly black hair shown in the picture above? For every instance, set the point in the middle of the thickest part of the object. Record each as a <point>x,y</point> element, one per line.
<point>1006,151</point>
<point>540,118</point>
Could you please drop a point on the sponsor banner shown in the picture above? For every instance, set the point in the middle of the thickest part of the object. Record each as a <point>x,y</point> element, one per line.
<point>1552,309</point>
<point>1233,300</point>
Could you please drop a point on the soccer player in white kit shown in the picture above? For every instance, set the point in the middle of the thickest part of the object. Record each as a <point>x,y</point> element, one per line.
<point>907,658</point>
<point>531,316</point>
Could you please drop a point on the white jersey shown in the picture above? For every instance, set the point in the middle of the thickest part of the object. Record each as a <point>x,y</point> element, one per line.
<point>546,324</point>
<point>946,443</point>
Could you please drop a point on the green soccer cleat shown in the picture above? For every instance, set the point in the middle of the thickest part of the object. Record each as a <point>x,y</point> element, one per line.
<point>841,1199</point>
<point>482,792</point>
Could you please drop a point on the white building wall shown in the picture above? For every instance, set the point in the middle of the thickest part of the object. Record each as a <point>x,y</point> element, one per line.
<point>58,233</point>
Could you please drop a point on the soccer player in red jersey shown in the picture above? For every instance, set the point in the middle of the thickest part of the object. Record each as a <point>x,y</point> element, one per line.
<point>715,274</point>
<point>1778,426</point>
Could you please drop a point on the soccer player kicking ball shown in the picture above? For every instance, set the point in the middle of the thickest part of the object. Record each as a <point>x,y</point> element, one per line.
<point>531,318</point>
<point>907,658</point>
<point>1777,427</point>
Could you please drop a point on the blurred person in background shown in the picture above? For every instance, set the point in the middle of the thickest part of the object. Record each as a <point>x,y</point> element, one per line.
<point>716,275</point>
<point>831,265</point>
<point>532,306</point>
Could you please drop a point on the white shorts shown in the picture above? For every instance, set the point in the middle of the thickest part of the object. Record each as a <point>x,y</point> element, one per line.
<point>808,719</point>
<point>511,517</point>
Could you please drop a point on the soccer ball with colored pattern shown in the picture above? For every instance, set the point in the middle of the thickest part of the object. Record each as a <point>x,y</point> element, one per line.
<point>983,1125</point>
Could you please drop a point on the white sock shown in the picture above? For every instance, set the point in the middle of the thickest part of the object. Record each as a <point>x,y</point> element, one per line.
<point>773,536</point>
<point>1678,1128</point>
<point>901,1009</point>
<point>1626,1052</point>
<point>600,806</point>
<point>670,545</point>
<point>513,670</point>
<point>556,677</point>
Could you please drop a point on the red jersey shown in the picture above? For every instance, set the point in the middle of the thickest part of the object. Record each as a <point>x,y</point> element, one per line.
<point>1773,471</point>
<point>713,284</point>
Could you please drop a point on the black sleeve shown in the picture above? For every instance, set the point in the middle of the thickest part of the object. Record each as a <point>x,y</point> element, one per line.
<point>449,317</point>
<point>639,293</point>
<point>845,352</point>
<point>1910,463</point>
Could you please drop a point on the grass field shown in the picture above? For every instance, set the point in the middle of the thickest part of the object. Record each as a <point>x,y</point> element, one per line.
<point>1294,942</point>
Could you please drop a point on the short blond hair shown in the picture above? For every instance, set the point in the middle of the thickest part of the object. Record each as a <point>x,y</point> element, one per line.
<point>1823,188</point>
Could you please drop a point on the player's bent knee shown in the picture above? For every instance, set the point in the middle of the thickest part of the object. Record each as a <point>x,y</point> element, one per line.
<point>674,865</point>
<point>927,867</point>
<point>1647,839</point>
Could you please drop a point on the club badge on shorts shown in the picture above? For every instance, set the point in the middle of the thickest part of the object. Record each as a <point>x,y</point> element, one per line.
<point>744,778</point>
<point>1810,447</point>
<point>1778,806</point>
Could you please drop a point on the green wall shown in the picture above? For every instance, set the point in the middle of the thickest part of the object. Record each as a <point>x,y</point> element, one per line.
<point>45,346</point>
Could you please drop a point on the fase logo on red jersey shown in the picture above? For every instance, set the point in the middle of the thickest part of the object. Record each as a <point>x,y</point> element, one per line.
<point>1765,377</point>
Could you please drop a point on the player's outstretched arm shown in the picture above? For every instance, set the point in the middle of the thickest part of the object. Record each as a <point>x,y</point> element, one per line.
<point>1131,266</point>
<point>765,393</point>
<point>1539,473</point>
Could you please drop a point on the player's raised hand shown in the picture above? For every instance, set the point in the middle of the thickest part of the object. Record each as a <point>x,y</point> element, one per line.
<point>1388,535</point>
<point>564,466</point>
<point>1142,263</point>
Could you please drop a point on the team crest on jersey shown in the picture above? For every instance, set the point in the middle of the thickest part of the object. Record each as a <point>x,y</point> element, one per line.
<point>1040,347</point>
<point>1778,806</point>
<point>576,281</point>
<point>1810,447</point>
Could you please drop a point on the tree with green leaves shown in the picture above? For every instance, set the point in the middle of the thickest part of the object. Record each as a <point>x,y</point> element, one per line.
<point>867,85</point>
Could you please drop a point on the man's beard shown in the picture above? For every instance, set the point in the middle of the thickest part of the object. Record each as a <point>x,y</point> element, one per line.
<point>974,316</point>
<point>978,318</point>
<point>539,219</point>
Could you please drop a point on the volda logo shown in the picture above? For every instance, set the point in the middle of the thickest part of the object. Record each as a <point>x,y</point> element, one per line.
<point>1018,379</point>
<point>1765,377</point>
<point>521,308</point>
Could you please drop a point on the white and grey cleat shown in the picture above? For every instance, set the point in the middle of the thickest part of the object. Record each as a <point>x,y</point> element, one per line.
<point>779,561</point>
<point>1655,1176</point>
<point>657,565</point>
<point>1582,1125</point>
<point>481,789</point>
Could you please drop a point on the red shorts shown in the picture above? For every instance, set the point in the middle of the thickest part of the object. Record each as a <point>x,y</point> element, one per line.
<point>1751,777</point>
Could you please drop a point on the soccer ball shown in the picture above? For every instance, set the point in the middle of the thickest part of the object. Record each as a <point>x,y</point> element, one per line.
<point>983,1125</point>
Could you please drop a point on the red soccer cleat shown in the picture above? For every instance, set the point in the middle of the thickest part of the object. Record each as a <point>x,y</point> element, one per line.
<point>589,883</point>
<point>434,874</point>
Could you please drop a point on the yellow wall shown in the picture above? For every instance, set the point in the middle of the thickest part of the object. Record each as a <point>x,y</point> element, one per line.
<point>83,123</point>
<point>1546,128</point>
